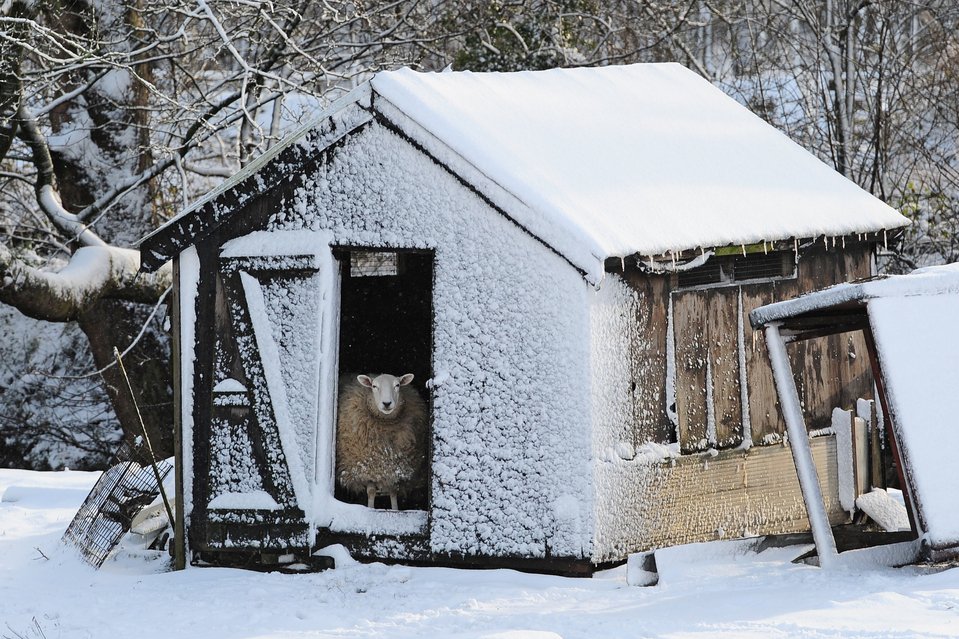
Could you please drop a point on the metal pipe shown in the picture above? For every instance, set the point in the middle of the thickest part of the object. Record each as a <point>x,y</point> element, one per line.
<point>799,445</point>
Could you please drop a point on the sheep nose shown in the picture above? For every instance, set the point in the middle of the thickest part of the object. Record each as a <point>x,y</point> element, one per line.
<point>387,404</point>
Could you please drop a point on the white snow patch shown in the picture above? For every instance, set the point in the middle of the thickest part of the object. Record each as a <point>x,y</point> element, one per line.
<point>338,553</point>
<point>255,500</point>
<point>355,518</point>
<point>229,385</point>
<point>709,590</point>
<point>884,509</point>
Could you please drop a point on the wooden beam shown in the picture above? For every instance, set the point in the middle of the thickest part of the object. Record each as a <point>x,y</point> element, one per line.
<point>179,542</point>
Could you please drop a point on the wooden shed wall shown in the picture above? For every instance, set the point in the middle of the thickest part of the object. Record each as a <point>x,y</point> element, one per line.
<point>722,371</point>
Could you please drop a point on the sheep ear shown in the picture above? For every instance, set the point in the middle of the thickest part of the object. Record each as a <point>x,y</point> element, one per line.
<point>365,381</point>
<point>406,379</point>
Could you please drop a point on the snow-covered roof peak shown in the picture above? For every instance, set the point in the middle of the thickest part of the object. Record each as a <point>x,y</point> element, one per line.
<point>644,158</point>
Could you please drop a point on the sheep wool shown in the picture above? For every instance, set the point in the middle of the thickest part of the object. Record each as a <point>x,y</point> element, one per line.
<point>385,451</point>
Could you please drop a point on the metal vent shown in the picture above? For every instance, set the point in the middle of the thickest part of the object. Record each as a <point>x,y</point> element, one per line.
<point>729,269</point>
<point>758,266</point>
<point>373,263</point>
<point>709,273</point>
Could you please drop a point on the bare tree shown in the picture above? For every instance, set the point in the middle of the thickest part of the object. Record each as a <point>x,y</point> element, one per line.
<point>114,116</point>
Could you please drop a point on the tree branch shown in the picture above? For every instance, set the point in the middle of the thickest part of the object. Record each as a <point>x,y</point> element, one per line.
<point>93,273</point>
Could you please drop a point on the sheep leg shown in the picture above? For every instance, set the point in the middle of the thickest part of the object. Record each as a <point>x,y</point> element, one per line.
<point>394,502</point>
<point>370,495</point>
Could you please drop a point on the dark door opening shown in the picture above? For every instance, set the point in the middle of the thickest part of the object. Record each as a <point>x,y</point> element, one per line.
<point>386,325</point>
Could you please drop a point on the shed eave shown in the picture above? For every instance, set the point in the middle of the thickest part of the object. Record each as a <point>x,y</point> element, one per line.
<point>849,295</point>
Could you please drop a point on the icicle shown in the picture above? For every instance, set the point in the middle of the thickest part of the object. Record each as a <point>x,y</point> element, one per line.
<point>744,249</point>
<point>622,264</point>
<point>702,251</point>
<point>673,255</point>
<point>885,240</point>
<point>844,242</point>
<point>765,251</point>
<point>796,248</point>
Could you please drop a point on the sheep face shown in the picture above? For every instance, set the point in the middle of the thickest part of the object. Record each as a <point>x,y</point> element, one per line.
<point>385,389</point>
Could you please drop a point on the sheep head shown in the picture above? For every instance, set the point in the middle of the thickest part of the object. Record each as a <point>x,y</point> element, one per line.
<point>385,396</point>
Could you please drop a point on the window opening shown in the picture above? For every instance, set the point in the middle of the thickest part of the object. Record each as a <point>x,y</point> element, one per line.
<point>373,263</point>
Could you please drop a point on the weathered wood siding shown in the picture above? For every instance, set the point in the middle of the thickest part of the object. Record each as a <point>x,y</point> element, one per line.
<point>717,352</point>
<point>692,369</point>
<point>648,363</point>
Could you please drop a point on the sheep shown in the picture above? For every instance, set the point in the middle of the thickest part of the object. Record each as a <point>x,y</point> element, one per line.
<point>381,437</point>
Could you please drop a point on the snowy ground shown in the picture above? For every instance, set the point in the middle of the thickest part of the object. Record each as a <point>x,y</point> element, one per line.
<point>705,590</point>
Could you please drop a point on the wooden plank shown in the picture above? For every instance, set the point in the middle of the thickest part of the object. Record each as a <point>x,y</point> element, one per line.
<point>179,541</point>
<point>648,359</point>
<point>203,382</point>
<point>765,417</point>
<point>265,437</point>
<point>835,372</point>
<point>860,442</point>
<point>877,473</point>
<point>815,359</point>
<point>692,352</point>
<point>722,327</point>
<point>855,373</point>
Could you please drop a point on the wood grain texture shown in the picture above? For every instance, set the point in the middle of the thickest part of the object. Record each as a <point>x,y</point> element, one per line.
<point>722,330</point>
<point>648,360</point>
<point>765,416</point>
<point>690,310</point>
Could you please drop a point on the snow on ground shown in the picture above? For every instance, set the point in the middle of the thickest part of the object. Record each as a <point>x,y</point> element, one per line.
<point>722,589</point>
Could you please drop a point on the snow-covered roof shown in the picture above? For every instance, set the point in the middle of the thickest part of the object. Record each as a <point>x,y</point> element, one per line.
<point>614,161</point>
<point>642,158</point>
<point>932,280</point>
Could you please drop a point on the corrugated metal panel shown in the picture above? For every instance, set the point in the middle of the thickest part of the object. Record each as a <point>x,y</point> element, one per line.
<point>737,493</point>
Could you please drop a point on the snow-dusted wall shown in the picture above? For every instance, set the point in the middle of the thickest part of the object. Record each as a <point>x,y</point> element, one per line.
<point>511,445</point>
<point>613,326</point>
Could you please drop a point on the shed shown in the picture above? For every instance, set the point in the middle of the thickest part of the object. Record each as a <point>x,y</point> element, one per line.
<point>909,324</point>
<point>564,259</point>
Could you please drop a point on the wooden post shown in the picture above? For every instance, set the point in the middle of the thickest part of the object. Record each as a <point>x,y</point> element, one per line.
<point>179,542</point>
<point>799,445</point>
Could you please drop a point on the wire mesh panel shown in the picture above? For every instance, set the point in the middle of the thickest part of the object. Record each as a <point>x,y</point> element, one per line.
<point>120,493</point>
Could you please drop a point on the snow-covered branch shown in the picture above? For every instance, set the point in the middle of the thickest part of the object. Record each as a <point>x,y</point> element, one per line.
<point>93,273</point>
<point>46,183</point>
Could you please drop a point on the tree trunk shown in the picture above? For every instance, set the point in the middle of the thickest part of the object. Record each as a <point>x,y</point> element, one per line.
<point>111,323</point>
